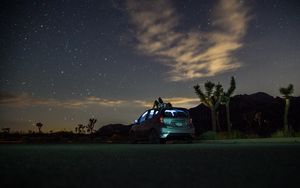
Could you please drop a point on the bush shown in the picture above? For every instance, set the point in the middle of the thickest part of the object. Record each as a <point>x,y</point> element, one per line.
<point>235,135</point>
<point>209,135</point>
<point>297,134</point>
<point>231,135</point>
<point>250,136</point>
<point>282,134</point>
<point>278,134</point>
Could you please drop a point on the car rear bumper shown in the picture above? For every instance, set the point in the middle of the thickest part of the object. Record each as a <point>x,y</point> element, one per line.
<point>177,132</point>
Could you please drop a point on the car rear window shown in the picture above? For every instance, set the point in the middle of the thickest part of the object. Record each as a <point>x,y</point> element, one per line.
<point>176,113</point>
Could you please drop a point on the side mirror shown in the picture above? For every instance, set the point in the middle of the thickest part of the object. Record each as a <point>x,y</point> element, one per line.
<point>135,121</point>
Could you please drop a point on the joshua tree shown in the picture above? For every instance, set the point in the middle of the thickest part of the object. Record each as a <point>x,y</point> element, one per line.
<point>211,98</point>
<point>226,100</point>
<point>79,129</point>
<point>39,126</point>
<point>286,92</point>
<point>91,125</point>
<point>5,130</point>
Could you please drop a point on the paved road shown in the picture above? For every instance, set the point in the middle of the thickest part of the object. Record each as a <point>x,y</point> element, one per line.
<point>144,165</point>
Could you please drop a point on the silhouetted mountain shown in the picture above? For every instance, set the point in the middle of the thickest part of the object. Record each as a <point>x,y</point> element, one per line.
<point>111,129</point>
<point>257,113</point>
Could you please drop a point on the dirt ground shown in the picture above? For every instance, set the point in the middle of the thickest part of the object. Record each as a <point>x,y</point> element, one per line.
<point>145,165</point>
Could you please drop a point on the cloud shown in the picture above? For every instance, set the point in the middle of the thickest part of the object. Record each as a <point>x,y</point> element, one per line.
<point>175,101</point>
<point>183,102</point>
<point>24,100</point>
<point>142,103</point>
<point>192,54</point>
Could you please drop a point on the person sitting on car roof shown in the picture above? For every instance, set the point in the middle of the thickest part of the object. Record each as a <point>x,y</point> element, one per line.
<point>160,104</point>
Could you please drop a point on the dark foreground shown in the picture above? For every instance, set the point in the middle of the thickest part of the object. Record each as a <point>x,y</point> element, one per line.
<point>171,165</point>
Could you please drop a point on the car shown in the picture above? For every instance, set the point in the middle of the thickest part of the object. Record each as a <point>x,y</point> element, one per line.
<point>159,125</point>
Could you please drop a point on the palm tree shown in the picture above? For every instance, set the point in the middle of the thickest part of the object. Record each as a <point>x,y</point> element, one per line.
<point>211,98</point>
<point>226,100</point>
<point>286,92</point>
<point>39,126</point>
<point>91,125</point>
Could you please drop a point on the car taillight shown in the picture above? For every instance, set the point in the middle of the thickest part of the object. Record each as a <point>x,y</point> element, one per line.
<point>191,122</point>
<point>161,120</point>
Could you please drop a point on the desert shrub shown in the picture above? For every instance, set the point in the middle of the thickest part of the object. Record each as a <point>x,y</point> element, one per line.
<point>236,135</point>
<point>231,135</point>
<point>297,134</point>
<point>278,134</point>
<point>209,135</point>
<point>252,135</point>
<point>281,134</point>
<point>222,135</point>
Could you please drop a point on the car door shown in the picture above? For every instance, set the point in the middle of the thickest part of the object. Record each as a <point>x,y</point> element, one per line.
<point>148,123</point>
<point>139,130</point>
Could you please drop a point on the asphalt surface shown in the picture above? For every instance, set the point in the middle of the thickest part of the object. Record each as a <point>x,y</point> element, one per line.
<point>145,165</point>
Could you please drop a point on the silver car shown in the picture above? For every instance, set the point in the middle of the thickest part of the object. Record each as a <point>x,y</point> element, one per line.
<point>159,125</point>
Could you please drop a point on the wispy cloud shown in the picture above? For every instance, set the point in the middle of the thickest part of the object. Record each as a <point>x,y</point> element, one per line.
<point>183,102</point>
<point>24,100</point>
<point>175,101</point>
<point>192,54</point>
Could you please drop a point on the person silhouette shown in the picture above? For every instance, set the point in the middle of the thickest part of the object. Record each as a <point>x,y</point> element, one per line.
<point>160,104</point>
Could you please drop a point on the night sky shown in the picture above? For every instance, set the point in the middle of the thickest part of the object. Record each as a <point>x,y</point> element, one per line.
<point>63,62</point>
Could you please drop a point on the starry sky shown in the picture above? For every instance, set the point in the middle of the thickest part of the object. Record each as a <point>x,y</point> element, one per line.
<point>65,61</point>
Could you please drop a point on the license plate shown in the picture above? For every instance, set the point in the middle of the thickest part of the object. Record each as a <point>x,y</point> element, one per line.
<point>178,124</point>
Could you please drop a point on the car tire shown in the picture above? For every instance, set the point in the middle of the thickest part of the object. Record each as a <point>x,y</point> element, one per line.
<point>190,140</point>
<point>163,141</point>
<point>154,137</point>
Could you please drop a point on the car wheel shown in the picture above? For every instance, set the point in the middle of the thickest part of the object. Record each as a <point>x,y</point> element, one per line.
<point>163,141</point>
<point>154,137</point>
<point>190,140</point>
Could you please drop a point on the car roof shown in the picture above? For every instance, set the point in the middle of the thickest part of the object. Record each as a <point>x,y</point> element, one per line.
<point>170,108</point>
